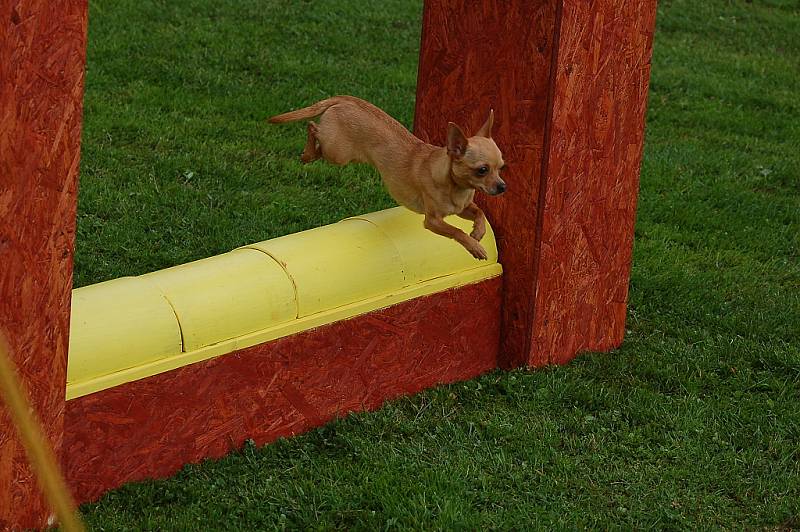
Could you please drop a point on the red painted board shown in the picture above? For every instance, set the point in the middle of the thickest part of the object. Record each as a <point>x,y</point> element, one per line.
<point>42,47</point>
<point>568,80</point>
<point>592,181</point>
<point>489,54</point>
<point>150,428</point>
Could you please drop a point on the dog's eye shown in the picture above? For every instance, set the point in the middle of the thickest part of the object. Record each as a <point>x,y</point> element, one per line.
<point>483,170</point>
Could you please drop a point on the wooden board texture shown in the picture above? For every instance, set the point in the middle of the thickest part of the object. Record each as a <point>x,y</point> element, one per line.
<point>489,54</point>
<point>568,81</point>
<point>593,158</point>
<point>150,428</point>
<point>42,47</point>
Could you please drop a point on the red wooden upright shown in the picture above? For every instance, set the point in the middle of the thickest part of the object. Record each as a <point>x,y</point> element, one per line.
<point>42,48</point>
<point>568,80</point>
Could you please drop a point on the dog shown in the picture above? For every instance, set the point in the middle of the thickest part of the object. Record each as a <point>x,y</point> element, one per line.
<point>430,180</point>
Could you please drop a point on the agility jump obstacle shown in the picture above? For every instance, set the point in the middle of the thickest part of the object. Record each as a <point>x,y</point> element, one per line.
<point>179,365</point>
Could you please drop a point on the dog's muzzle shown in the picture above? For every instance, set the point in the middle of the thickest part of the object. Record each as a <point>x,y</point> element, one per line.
<point>499,189</point>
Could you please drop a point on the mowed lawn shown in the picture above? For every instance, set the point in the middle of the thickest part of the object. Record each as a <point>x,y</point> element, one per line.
<point>693,423</point>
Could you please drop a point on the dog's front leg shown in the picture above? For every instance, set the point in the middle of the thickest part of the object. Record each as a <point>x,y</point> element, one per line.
<point>440,227</point>
<point>474,213</point>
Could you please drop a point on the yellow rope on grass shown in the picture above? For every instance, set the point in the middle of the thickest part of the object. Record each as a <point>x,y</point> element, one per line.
<point>39,452</point>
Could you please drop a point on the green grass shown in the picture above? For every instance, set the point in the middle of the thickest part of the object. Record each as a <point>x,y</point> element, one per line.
<point>693,423</point>
<point>178,160</point>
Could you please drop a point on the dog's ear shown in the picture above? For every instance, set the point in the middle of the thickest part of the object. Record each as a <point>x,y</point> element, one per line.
<point>486,128</point>
<point>456,141</point>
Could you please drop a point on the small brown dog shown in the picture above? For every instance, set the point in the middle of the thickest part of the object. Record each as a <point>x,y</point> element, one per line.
<point>427,179</point>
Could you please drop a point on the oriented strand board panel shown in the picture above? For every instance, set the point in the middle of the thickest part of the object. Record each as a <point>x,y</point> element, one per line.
<point>42,47</point>
<point>593,159</point>
<point>150,427</point>
<point>568,80</point>
<point>490,54</point>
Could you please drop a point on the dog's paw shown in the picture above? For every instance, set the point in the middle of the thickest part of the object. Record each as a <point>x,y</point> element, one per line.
<point>477,233</point>
<point>477,250</point>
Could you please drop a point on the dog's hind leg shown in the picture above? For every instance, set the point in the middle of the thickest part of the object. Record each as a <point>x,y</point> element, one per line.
<point>312,151</point>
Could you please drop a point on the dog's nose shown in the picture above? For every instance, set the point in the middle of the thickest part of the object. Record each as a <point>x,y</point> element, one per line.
<point>501,187</point>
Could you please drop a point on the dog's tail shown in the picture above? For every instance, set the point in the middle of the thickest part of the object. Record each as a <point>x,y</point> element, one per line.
<point>306,112</point>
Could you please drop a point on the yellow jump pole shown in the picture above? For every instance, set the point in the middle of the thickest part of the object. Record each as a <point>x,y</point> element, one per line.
<point>39,452</point>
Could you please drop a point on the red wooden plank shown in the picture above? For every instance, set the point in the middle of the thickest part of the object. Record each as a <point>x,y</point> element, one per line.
<point>568,80</point>
<point>601,81</point>
<point>487,54</point>
<point>42,47</point>
<point>151,427</point>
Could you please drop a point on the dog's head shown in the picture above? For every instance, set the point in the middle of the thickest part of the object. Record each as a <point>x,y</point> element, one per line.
<point>476,161</point>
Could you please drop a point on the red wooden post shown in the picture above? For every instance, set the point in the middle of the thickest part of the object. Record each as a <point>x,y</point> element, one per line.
<point>568,80</point>
<point>42,47</point>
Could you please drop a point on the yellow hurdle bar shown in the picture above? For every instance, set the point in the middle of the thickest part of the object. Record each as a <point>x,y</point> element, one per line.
<point>134,327</point>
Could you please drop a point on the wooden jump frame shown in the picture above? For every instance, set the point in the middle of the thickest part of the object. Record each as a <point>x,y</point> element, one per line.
<point>568,80</point>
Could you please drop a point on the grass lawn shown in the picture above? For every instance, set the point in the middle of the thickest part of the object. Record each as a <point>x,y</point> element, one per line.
<point>693,423</point>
